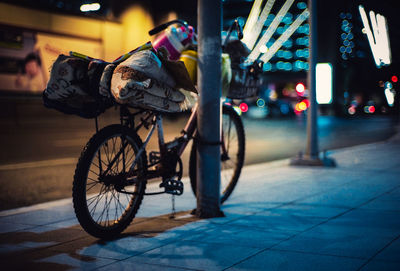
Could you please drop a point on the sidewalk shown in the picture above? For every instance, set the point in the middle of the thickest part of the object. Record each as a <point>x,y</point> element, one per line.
<point>279,218</point>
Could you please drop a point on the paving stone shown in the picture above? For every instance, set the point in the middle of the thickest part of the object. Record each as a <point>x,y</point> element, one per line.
<point>390,253</point>
<point>285,261</point>
<point>241,236</point>
<point>195,255</point>
<point>381,265</point>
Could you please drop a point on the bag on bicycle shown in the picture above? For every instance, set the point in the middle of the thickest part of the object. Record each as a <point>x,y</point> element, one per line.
<point>244,83</point>
<point>143,81</point>
<point>73,87</point>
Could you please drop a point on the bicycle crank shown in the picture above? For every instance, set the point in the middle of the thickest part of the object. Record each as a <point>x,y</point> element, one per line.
<point>173,187</point>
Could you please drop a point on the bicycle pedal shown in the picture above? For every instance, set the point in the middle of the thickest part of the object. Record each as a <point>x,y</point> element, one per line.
<point>154,157</point>
<point>173,187</point>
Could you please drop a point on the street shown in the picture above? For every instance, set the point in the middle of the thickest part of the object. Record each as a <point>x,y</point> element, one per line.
<point>40,147</point>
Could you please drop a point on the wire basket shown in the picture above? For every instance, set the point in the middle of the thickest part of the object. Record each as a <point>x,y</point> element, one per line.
<point>243,85</point>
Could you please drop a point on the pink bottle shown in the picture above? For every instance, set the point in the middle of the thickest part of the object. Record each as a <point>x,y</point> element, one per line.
<point>174,40</point>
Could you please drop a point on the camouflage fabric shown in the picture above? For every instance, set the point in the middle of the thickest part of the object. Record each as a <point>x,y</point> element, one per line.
<point>149,64</point>
<point>105,80</point>
<point>141,81</point>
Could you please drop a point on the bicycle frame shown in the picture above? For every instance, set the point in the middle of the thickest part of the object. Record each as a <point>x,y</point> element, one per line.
<point>179,144</point>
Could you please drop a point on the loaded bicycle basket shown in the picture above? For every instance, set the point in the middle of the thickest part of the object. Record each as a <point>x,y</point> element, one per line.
<point>246,80</point>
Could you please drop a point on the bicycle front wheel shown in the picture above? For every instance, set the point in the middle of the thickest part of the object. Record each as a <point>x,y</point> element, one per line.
<point>232,153</point>
<point>105,202</point>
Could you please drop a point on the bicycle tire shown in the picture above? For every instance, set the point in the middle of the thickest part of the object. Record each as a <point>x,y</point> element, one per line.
<point>101,210</point>
<point>229,175</point>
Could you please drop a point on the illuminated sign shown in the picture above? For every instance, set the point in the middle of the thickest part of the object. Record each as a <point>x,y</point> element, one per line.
<point>271,29</point>
<point>285,36</point>
<point>323,89</point>
<point>276,42</point>
<point>250,35</point>
<point>378,37</point>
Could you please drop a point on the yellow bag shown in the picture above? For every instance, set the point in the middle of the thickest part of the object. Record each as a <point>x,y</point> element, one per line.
<point>189,57</point>
<point>226,74</point>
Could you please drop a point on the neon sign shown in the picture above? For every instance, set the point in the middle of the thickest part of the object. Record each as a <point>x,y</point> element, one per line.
<point>378,38</point>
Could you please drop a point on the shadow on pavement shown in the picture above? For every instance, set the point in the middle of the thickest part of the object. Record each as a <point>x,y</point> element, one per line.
<point>30,248</point>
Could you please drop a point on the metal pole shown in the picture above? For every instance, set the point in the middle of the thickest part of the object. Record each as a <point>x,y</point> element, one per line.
<point>311,157</point>
<point>209,114</point>
<point>312,133</point>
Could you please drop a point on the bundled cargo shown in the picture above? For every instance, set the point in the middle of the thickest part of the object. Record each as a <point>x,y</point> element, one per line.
<point>73,87</point>
<point>143,81</point>
<point>86,87</point>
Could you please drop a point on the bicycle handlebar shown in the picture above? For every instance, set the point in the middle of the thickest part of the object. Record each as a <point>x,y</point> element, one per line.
<point>239,30</point>
<point>161,27</point>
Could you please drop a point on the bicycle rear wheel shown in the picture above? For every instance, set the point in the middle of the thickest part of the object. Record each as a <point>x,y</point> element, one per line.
<point>232,153</point>
<point>104,201</point>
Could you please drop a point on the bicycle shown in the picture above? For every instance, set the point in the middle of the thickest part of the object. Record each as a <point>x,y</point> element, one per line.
<point>114,168</point>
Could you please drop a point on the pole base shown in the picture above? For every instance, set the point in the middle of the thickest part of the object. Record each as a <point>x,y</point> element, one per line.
<point>306,160</point>
<point>202,214</point>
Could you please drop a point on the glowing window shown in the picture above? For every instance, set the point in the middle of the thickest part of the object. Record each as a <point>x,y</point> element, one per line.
<point>324,83</point>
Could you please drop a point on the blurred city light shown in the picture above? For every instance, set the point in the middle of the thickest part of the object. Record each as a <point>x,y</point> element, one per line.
<point>301,106</point>
<point>301,5</point>
<point>369,109</point>
<point>389,94</point>
<point>90,7</point>
<point>352,110</point>
<point>378,38</point>
<point>347,35</point>
<point>237,109</point>
<point>395,79</point>
<point>271,30</point>
<point>263,49</point>
<point>243,107</point>
<point>300,88</point>
<point>253,29</point>
<point>324,83</point>
<point>251,21</point>
<point>260,102</point>
<point>285,36</point>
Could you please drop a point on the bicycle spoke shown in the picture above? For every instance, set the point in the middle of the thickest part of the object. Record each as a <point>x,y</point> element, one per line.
<point>131,159</point>
<point>108,204</point>
<point>93,185</point>
<point>96,165</point>
<point>114,167</point>
<point>92,171</point>
<point>101,215</point>
<point>123,154</point>
<point>116,201</point>
<point>101,207</point>
<point>100,196</point>
<point>228,132</point>
<point>107,154</point>
<point>109,198</point>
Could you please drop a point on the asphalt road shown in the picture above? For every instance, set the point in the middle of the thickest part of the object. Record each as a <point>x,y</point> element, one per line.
<point>40,148</point>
